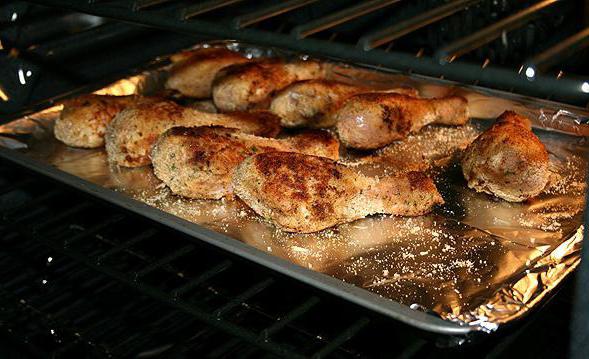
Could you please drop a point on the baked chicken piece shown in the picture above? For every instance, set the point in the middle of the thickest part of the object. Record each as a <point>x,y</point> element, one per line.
<point>193,71</point>
<point>302,193</point>
<point>83,120</point>
<point>246,86</point>
<point>130,136</point>
<point>198,162</point>
<point>372,120</point>
<point>507,160</point>
<point>312,103</point>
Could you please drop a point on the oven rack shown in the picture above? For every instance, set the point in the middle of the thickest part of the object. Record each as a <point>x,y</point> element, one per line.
<point>245,21</point>
<point>75,252</point>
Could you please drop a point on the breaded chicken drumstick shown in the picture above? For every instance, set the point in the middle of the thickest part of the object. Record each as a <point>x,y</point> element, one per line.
<point>252,85</point>
<point>130,136</point>
<point>198,162</point>
<point>312,103</point>
<point>83,120</point>
<point>372,120</point>
<point>302,193</point>
<point>507,160</point>
<point>194,71</point>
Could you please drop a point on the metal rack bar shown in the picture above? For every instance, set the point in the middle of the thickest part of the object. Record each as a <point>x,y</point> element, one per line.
<point>126,245</point>
<point>242,297</point>
<point>164,260</point>
<point>65,310</point>
<point>15,280</point>
<point>223,350</point>
<point>341,338</point>
<point>94,229</point>
<point>340,17</point>
<point>17,220</point>
<point>144,4</point>
<point>14,185</point>
<point>559,52</point>
<point>460,47</point>
<point>33,202</point>
<point>268,12</point>
<point>289,317</point>
<point>203,337</point>
<point>381,37</point>
<point>210,273</point>
<point>80,42</point>
<point>58,217</point>
<point>204,7</point>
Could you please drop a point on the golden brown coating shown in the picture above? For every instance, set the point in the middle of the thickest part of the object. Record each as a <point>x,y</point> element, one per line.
<point>302,193</point>
<point>312,103</point>
<point>193,71</point>
<point>252,85</point>
<point>507,160</point>
<point>83,120</point>
<point>198,162</point>
<point>372,120</point>
<point>132,133</point>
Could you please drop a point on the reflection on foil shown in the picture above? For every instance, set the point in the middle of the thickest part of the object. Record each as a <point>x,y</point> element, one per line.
<point>476,260</point>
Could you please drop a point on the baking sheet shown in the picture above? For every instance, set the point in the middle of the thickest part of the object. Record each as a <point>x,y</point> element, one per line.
<point>476,260</point>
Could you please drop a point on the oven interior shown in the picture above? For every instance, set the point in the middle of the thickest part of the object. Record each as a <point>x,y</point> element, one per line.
<point>77,282</point>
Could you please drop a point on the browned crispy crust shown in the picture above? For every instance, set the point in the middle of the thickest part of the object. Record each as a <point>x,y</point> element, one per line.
<point>259,122</point>
<point>302,193</point>
<point>194,71</point>
<point>508,160</point>
<point>83,120</point>
<point>252,85</point>
<point>373,120</point>
<point>285,184</point>
<point>130,136</point>
<point>316,138</point>
<point>198,162</point>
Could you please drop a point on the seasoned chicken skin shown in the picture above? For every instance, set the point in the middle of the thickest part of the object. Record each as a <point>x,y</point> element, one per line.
<point>246,86</point>
<point>193,71</point>
<point>132,133</point>
<point>312,103</point>
<point>372,120</point>
<point>83,120</point>
<point>507,160</point>
<point>198,162</point>
<point>302,193</point>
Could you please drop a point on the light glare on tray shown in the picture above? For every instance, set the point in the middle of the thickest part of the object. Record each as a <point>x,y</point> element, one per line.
<point>3,95</point>
<point>121,88</point>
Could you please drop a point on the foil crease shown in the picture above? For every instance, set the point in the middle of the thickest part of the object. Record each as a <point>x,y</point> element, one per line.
<point>476,260</point>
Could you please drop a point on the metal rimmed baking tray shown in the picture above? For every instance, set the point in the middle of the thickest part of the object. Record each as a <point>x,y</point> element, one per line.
<point>473,265</point>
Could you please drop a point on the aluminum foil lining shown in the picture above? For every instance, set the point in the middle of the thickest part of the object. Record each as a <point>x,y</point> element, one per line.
<point>476,260</point>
